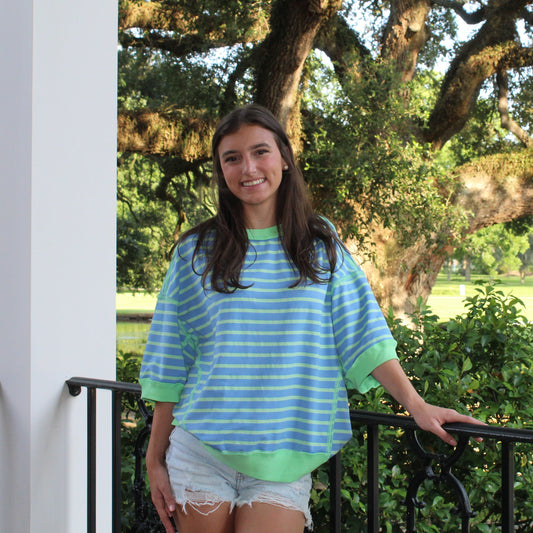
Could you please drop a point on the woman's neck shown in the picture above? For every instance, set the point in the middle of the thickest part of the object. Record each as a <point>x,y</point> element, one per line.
<point>257,219</point>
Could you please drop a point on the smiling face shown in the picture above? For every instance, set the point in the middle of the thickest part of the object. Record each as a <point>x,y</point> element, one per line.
<point>252,167</point>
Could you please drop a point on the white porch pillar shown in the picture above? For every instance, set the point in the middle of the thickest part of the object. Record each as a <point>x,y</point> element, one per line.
<point>57,256</point>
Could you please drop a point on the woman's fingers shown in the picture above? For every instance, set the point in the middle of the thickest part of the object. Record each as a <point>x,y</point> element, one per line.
<point>432,418</point>
<point>162,497</point>
<point>165,508</point>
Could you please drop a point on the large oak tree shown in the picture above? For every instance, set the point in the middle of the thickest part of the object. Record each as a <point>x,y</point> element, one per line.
<point>411,134</point>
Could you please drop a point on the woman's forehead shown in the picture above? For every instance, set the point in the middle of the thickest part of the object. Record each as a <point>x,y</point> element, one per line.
<point>247,137</point>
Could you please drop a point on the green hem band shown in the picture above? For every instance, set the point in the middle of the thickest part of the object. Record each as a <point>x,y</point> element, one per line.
<point>283,466</point>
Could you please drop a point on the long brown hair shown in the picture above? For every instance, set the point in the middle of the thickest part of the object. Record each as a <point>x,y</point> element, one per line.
<point>223,241</point>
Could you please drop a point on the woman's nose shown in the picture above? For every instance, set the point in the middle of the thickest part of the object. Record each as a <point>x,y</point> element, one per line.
<point>248,166</point>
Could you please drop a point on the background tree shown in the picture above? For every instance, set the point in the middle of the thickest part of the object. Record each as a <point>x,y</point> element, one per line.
<point>494,250</point>
<point>411,134</point>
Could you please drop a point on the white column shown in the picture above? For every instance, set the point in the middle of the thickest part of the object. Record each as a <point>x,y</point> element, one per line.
<point>57,256</point>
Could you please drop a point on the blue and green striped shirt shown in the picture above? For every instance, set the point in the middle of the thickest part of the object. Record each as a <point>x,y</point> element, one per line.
<point>260,375</point>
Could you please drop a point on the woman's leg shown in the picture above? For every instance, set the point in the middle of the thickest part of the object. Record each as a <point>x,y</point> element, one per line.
<point>205,518</point>
<point>267,518</point>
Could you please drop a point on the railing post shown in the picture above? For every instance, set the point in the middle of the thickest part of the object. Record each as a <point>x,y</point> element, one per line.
<point>507,487</point>
<point>335,474</point>
<point>117,457</point>
<point>91,460</point>
<point>373,477</point>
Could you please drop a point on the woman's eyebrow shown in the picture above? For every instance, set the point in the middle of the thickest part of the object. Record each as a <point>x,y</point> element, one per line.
<point>254,147</point>
<point>259,145</point>
<point>228,152</point>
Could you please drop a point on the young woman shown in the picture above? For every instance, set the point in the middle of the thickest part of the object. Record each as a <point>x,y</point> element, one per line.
<point>263,322</point>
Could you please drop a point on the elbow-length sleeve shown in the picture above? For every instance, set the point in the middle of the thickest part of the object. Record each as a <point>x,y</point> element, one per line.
<point>169,352</point>
<point>362,335</point>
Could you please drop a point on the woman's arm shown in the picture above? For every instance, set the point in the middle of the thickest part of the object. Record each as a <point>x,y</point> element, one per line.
<point>428,417</point>
<point>156,465</point>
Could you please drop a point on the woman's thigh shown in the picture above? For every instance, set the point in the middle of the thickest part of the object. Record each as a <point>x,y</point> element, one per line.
<point>262,503</point>
<point>204,518</point>
<point>267,518</point>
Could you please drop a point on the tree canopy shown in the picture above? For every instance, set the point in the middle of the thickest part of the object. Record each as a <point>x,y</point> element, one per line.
<point>411,118</point>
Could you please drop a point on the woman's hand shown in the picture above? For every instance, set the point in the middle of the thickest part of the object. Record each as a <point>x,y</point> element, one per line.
<point>428,417</point>
<point>156,466</point>
<point>162,498</point>
<point>431,418</point>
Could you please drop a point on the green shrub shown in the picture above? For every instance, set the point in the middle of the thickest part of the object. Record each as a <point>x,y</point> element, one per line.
<point>478,363</point>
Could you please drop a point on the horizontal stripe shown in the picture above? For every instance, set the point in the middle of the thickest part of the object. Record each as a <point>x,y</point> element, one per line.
<point>233,412</point>
<point>288,399</point>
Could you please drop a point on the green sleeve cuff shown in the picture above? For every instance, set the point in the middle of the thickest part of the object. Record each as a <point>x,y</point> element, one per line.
<point>360,375</point>
<point>160,392</point>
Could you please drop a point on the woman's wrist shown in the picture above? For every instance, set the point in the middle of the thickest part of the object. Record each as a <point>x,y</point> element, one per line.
<point>415,405</point>
<point>152,460</point>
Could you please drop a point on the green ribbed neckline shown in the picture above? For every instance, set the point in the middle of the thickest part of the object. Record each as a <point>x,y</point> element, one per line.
<point>263,234</point>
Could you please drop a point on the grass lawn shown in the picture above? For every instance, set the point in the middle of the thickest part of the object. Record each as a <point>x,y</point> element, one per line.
<point>135,302</point>
<point>445,300</point>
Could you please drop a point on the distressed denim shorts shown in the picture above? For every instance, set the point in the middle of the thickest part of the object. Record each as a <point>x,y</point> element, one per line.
<point>197,477</point>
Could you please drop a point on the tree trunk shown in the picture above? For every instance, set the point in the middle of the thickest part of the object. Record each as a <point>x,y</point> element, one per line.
<point>294,26</point>
<point>496,189</point>
<point>405,34</point>
<point>468,268</point>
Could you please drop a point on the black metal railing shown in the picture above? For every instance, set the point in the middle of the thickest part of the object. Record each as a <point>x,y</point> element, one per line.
<point>146,519</point>
<point>435,462</point>
<point>117,388</point>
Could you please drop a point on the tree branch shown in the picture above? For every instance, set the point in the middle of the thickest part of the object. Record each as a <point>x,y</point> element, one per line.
<point>496,189</point>
<point>172,27</point>
<point>503,108</point>
<point>150,15</point>
<point>192,17</point>
<point>172,132</point>
<point>342,45</point>
<point>122,198</point>
<point>526,16</point>
<point>172,167</point>
<point>470,18</point>
<point>495,47</point>
<point>181,46</point>
<point>229,96</point>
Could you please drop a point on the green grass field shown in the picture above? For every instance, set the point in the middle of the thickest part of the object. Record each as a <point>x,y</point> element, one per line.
<point>445,300</point>
<point>135,302</point>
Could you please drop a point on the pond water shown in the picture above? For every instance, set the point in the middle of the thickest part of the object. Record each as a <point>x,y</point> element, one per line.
<point>132,335</point>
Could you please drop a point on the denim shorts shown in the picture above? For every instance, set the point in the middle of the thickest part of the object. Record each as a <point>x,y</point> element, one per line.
<point>197,477</point>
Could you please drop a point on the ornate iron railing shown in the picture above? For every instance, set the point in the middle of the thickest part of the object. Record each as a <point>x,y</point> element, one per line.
<point>146,520</point>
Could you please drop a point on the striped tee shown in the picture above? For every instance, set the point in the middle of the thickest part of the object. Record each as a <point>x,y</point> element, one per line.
<point>259,376</point>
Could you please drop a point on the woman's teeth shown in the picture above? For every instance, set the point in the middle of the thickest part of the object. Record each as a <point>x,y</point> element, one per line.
<point>254,182</point>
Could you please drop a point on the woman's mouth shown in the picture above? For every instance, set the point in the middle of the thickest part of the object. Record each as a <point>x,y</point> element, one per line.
<point>253,183</point>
